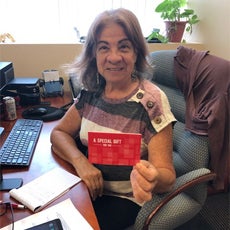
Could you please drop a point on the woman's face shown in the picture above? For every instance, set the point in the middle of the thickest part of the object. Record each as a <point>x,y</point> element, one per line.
<point>115,54</point>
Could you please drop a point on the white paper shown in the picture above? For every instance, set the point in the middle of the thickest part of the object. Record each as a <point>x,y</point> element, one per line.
<point>51,75</point>
<point>70,217</point>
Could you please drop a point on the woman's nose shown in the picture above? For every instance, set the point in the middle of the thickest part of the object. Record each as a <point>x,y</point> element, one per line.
<point>114,56</point>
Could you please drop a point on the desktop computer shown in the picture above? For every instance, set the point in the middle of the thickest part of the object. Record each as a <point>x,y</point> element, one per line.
<point>25,88</point>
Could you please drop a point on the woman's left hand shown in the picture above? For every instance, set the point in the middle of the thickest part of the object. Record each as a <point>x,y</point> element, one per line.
<point>144,178</point>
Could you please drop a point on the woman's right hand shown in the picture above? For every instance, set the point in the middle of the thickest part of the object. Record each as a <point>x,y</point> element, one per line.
<point>64,135</point>
<point>90,175</point>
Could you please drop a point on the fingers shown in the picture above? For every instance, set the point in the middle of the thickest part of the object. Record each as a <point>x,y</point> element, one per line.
<point>92,178</point>
<point>94,183</point>
<point>139,193</point>
<point>142,196</point>
<point>147,170</point>
<point>96,186</point>
<point>144,177</point>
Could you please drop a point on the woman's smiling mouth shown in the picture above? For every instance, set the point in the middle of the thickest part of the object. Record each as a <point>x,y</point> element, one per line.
<point>115,69</point>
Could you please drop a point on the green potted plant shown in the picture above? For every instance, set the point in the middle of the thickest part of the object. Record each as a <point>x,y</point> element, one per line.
<point>176,18</point>
<point>156,37</point>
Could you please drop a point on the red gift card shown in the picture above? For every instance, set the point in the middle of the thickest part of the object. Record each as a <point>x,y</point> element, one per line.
<point>114,148</point>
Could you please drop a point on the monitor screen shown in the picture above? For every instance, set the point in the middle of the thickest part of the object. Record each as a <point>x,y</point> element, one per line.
<point>6,74</point>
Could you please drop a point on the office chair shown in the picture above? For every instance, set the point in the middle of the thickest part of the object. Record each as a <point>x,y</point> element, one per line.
<point>190,156</point>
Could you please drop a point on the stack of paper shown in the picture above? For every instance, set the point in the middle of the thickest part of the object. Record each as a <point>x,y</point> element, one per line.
<point>70,217</point>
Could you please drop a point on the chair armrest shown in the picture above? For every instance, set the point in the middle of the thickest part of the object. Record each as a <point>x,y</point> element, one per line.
<point>191,178</point>
<point>182,183</point>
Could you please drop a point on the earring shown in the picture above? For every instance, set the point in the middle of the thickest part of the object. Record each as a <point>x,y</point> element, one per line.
<point>134,75</point>
<point>98,79</point>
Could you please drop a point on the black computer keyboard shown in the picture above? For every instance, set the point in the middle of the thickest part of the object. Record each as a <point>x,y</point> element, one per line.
<point>19,146</point>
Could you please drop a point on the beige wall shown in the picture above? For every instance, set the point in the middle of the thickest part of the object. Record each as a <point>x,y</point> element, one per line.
<point>30,60</point>
<point>212,31</point>
<point>214,28</point>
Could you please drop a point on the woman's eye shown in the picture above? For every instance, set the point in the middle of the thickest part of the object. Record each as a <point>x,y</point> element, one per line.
<point>125,47</point>
<point>102,48</point>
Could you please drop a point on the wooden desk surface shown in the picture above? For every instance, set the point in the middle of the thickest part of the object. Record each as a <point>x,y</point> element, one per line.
<point>44,160</point>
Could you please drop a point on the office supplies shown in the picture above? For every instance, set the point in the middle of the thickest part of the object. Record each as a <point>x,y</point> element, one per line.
<point>52,84</point>
<point>19,146</point>
<point>114,148</point>
<point>70,217</point>
<point>16,206</point>
<point>40,192</point>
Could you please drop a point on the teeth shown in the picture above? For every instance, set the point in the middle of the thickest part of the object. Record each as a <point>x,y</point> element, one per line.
<point>115,69</point>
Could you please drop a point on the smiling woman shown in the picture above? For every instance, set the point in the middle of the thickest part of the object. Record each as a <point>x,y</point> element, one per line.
<point>58,21</point>
<point>117,98</point>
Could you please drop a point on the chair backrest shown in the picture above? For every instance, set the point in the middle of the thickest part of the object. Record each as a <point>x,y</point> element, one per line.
<point>190,151</point>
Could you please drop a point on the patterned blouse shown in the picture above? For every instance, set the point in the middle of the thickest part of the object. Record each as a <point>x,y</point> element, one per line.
<point>146,111</point>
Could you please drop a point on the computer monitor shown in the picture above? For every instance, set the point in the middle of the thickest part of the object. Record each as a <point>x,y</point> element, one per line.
<point>6,75</point>
<point>9,83</point>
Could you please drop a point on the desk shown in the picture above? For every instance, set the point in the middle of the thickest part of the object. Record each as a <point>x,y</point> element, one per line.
<point>44,160</point>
